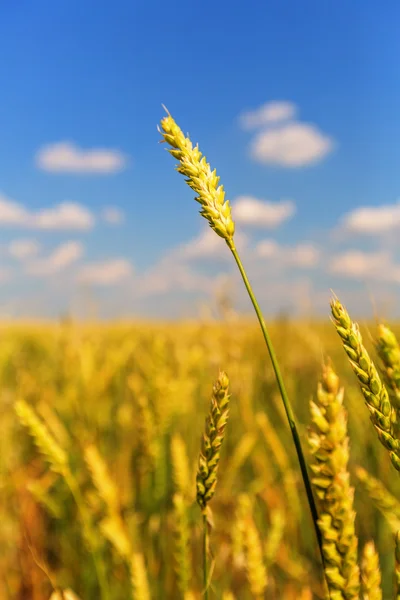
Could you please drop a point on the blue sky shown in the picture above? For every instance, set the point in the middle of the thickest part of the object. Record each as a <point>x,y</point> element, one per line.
<point>295,104</point>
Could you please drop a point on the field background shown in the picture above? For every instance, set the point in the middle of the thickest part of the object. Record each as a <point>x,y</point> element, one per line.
<point>139,391</point>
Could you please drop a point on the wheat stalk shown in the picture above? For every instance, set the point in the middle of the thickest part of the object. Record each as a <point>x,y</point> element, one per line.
<point>370,573</point>
<point>374,391</point>
<point>217,211</point>
<point>213,436</point>
<point>329,446</point>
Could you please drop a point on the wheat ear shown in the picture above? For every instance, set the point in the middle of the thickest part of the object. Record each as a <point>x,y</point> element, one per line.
<point>374,391</point>
<point>213,436</point>
<point>200,178</point>
<point>329,446</point>
<point>370,573</point>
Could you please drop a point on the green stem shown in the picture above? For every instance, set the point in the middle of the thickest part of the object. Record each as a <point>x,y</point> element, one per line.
<point>205,548</point>
<point>285,398</point>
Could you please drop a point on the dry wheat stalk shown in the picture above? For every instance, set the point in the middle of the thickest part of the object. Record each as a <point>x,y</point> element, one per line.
<point>329,446</point>
<point>370,573</point>
<point>374,391</point>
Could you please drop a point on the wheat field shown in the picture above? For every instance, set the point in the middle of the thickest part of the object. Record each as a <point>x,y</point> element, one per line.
<point>126,405</point>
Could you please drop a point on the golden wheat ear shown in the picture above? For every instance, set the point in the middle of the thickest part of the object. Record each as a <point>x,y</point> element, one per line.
<point>206,479</point>
<point>213,437</point>
<point>374,391</point>
<point>329,446</point>
<point>204,182</point>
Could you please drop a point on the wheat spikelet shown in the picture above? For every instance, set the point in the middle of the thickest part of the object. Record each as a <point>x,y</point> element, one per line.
<point>47,445</point>
<point>182,544</point>
<point>329,446</point>
<point>397,565</point>
<point>374,392</point>
<point>370,573</point>
<point>200,178</point>
<point>388,505</point>
<point>139,577</point>
<point>212,440</point>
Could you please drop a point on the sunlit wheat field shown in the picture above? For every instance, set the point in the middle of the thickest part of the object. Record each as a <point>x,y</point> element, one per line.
<point>126,405</point>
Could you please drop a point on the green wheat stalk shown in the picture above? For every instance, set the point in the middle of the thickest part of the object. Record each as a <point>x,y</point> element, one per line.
<point>216,209</point>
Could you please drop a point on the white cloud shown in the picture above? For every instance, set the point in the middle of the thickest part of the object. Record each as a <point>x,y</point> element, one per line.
<point>291,145</point>
<point>112,215</point>
<point>366,265</point>
<point>373,219</point>
<point>248,210</point>
<point>23,249</point>
<point>67,215</point>
<point>270,112</point>
<point>107,272</point>
<point>66,157</point>
<point>167,276</point>
<point>62,257</point>
<point>64,216</point>
<point>304,255</point>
